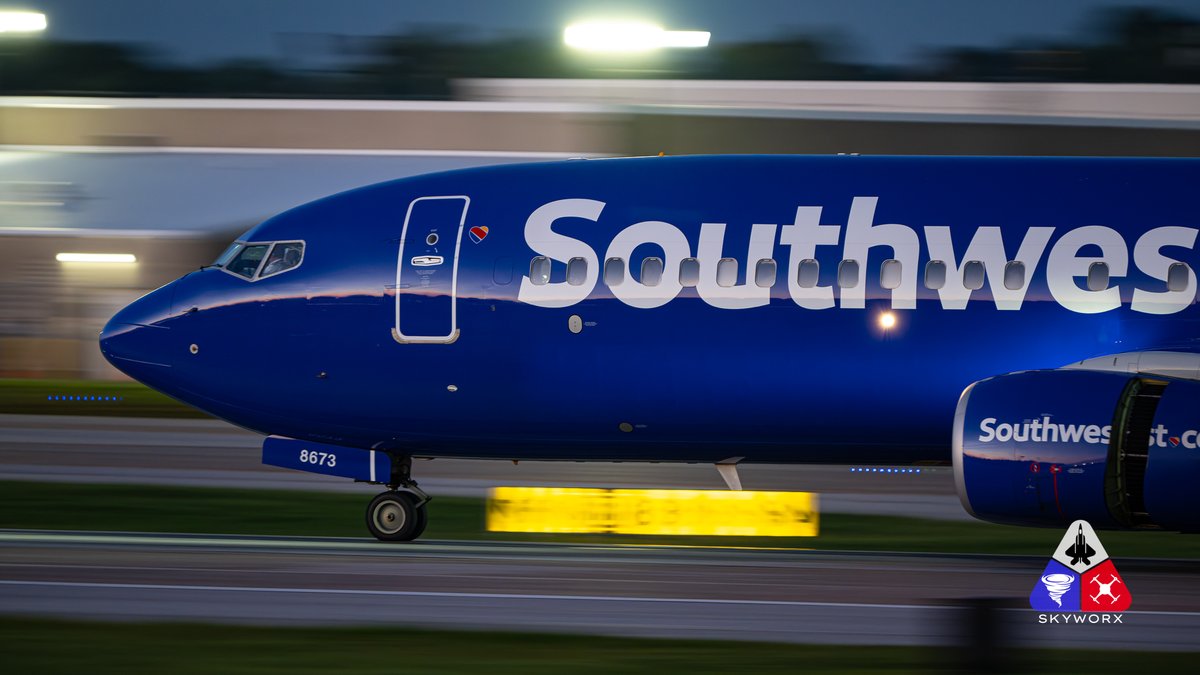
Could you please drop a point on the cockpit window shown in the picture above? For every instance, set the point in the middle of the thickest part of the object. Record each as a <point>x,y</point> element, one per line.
<point>225,257</point>
<point>284,256</point>
<point>255,261</point>
<point>246,261</point>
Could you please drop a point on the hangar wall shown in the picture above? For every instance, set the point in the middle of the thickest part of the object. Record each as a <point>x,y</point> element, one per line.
<point>51,313</point>
<point>629,118</point>
<point>323,126</point>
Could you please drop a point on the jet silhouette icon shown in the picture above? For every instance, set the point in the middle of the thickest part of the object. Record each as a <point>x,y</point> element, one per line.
<point>1080,550</point>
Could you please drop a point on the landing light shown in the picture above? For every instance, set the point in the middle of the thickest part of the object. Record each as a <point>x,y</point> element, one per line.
<point>22,22</point>
<point>125,258</point>
<point>629,36</point>
<point>887,320</point>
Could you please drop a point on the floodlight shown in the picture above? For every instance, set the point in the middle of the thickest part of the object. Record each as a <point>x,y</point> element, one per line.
<point>22,22</point>
<point>96,258</point>
<point>629,36</point>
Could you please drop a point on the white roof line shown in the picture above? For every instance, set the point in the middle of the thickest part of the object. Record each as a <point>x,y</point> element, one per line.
<point>368,152</point>
<point>100,232</point>
<point>90,102</point>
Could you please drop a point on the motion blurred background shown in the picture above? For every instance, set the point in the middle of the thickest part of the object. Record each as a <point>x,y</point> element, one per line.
<point>163,130</point>
<point>139,137</point>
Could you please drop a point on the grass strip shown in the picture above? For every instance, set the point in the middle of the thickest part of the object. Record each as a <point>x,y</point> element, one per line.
<point>138,508</point>
<point>45,646</point>
<point>89,397</point>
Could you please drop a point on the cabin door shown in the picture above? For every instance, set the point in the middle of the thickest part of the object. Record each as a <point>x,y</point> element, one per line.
<point>427,269</point>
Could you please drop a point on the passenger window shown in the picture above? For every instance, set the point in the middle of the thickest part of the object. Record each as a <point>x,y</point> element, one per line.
<point>652,271</point>
<point>848,274</point>
<point>689,272</point>
<point>284,256</point>
<point>764,273</point>
<point>576,271</point>
<point>539,271</point>
<point>726,272</point>
<point>1014,275</point>
<point>973,275</point>
<point>246,262</point>
<point>935,274</point>
<point>1097,279</point>
<point>1177,277</point>
<point>614,271</point>
<point>889,274</point>
<point>808,273</point>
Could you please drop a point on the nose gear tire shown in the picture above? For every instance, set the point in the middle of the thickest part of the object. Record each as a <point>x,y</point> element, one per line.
<point>395,516</point>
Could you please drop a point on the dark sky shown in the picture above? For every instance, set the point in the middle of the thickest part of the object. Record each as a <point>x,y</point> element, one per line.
<point>879,31</point>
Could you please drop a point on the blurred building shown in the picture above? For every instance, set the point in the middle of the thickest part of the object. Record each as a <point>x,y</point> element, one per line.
<point>172,181</point>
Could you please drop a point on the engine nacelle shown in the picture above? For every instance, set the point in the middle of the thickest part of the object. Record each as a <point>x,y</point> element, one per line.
<point>1047,447</point>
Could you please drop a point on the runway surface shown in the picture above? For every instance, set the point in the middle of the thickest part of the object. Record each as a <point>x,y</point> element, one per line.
<point>216,454</point>
<point>742,594</point>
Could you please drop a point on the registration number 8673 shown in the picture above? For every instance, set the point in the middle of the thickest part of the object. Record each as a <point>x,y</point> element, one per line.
<point>319,458</point>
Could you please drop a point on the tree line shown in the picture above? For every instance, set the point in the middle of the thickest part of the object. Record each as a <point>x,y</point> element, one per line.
<point>1126,45</point>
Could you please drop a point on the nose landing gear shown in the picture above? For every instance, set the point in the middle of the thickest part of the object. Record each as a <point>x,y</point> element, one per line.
<point>399,514</point>
<point>396,516</point>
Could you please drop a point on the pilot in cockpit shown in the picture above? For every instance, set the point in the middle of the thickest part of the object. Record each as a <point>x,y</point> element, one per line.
<point>288,258</point>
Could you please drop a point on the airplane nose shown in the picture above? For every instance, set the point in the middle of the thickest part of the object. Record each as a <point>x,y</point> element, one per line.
<point>136,337</point>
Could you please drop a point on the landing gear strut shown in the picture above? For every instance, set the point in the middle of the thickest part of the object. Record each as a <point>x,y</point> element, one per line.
<point>399,514</point>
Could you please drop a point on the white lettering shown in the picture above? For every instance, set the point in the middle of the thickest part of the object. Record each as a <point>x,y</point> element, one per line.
<point>1021,432</point>
<point>1065,264</point>
<point>804,237</point>
<point>987,246</point>
<point>862,235</point>
<point>986,427</point>
<point>1159,436</point>
<point>1071,433</point>
<point>1004,432</point>
<point>541,237</point>
<point>1149,259</point>
<point>1042,431</point>
<point>675,248</point>
<point>738,296</point>
<point>1080,617</point>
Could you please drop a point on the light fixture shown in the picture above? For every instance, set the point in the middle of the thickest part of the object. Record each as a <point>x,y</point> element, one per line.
<point>629,36</point>
<point>887,320</point>
<point>22,22</point>
<point>125,258</point>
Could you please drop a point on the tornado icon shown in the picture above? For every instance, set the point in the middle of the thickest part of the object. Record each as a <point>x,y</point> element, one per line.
<point>1056,585</point>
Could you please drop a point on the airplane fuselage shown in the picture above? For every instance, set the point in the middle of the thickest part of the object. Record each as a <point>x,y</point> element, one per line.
<point>409,327</point>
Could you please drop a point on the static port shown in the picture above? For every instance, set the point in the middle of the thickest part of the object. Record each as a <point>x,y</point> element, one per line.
<point>431,239</point>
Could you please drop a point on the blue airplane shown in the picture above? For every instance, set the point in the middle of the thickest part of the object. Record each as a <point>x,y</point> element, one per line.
<point>1031,321</point>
